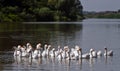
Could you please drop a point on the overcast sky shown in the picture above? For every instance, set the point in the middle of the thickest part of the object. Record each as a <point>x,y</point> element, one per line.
<point>100,5</point>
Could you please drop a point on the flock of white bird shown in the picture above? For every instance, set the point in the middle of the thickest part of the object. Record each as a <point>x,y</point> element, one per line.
<point>58,53</point>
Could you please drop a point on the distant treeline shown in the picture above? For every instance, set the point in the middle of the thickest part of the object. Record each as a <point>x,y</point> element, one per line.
<point>104,14</point>
<point>40,10</point>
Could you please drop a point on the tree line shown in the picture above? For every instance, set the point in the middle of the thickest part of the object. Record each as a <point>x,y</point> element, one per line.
<point>103,14</point>
<point>40,10</point>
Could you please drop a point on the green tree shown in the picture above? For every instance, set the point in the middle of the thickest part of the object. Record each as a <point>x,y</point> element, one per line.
<point>40,10</point>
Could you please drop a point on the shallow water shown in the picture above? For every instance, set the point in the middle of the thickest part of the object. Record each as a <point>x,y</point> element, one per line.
<point>90,33</point>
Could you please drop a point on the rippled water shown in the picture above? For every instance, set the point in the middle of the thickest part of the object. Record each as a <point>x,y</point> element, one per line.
<point>91,33</point>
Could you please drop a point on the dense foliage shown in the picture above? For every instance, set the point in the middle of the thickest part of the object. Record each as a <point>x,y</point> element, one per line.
<point>40,10</point>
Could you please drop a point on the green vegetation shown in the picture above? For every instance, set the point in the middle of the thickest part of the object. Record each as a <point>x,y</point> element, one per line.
<point>40,10</point>
<point>105,14</point>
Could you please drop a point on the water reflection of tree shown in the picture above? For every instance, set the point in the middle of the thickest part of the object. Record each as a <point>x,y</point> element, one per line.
<point>33,33</point>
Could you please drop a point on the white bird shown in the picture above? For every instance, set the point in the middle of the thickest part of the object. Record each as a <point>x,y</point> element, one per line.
<point>17,51</point>
<point>108,53</point>
<point>72,55</point>
<point>35,54</point>
<point>83,56</point>
<point>78,54</point>
<point>93,53</point>
<point>58,51</point>
<point>29,48</point>
<point>52,53</point>
<point>99,53</point>
<point>38,46</point>
<point>39,50</point>
<point>23,51</point>
<point>65,53</point>
<point>59,57</point>
<point>46,51</point>
<point>58,54</point>
<point>29,51</point>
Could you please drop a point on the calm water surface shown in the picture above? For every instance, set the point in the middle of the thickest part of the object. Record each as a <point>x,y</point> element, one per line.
<point>91,33</point>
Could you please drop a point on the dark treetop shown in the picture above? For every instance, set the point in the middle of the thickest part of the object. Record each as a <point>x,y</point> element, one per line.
<point>40,10</point>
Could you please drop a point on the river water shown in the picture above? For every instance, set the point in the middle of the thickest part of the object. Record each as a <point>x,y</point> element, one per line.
<point>90,33</point>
